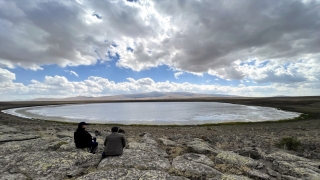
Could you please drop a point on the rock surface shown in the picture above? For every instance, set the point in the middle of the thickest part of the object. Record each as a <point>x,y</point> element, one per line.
<point>147,147</point>
<point>50,153</point>
<point>231,177</point>
<point>7,129</point>
<point>135,158</point>
<point>167,142</point>
<point>129,174</point>
<point>14,176</point>
<point>201,147</point>
<point>295,166</point>
<point>17,137</point>
<point>148,139</point>
<point>47,165</point>
<point>198,164</point>
<point>235,159</point>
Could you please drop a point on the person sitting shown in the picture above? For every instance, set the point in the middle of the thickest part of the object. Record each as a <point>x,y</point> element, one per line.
<point>121,131</point>
<point>83,138</point>
<point>114,143</point>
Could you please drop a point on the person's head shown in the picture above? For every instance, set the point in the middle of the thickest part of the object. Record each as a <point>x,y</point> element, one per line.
<point>114,129</point>
<point>121,131</point>
<point>82,125</point>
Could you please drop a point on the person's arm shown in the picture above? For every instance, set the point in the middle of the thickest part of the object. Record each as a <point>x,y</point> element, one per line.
<point>88,137</point>
<point>123,141</point>
<point>74,137</point>
<point>105,141</point>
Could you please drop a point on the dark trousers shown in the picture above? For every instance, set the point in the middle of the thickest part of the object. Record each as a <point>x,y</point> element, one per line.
<point>104,155</point>
<point>93,145</point>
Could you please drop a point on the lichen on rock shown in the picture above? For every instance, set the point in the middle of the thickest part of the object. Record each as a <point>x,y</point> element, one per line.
<point>135,158</point>
<point>194,164</point>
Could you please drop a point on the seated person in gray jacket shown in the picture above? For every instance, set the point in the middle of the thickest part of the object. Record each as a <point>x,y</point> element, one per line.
<point>114,143</point>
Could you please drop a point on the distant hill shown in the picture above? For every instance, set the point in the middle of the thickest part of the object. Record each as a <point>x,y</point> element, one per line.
<point>139,96</point>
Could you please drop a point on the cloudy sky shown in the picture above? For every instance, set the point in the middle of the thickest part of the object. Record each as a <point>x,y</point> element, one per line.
<point>52,48</point>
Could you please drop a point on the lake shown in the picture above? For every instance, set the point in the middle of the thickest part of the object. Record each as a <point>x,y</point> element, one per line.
<point>154,113</point>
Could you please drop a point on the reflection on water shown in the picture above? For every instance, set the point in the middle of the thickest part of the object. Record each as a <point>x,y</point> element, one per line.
<point>161,113</point>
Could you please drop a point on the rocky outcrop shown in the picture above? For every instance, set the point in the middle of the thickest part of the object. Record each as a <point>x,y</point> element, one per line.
<point>258,175</point>
<point>167,142</point>
<point>17,137</point>
<point>50,153</point>
<point>121,174</point>
<point>148,139</point>
<point>45,165</point>
<point>147,147</point>
<point>14,176</point>
<point>199,146</point>
<point>295,166</point>
<point>230,177</point>
<point>252,152</point>
<point>194,164</point>
<point>33,145</point>
<point>7,129</point>
<point>65,134</point>
<point>135,158</point>
<point>235,159</point>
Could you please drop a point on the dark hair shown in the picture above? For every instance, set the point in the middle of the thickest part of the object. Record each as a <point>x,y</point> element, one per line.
<point>114,129</point>
<point>81,124</point>
<point>121,131</point>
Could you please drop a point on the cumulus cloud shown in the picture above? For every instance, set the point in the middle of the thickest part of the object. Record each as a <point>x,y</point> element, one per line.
<point>72,73</point>
<point>177,74</point>
<point>60,86</point>
<point>6,76</point>
<point>191,36</point>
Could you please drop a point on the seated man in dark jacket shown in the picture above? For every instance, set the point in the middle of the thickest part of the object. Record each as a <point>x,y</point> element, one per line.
<point>114,143</point>
<point>83,138</point>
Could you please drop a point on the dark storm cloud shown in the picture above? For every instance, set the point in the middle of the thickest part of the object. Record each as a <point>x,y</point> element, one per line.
<point>215,33</point>
<point>194,36</point>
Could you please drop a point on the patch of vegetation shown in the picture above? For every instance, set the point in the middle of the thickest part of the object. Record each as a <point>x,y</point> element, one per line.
<point>57,146</point>
<point>289,143</point>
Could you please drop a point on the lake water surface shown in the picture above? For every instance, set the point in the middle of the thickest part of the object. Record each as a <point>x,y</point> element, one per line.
<point>155,113</point>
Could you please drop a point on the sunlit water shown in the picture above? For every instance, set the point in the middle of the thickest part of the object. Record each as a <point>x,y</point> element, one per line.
<point>155,113</point>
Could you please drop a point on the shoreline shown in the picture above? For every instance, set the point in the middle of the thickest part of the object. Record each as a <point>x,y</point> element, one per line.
<point>31,104</point>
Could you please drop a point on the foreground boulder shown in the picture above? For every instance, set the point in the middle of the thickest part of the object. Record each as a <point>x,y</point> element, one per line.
<point>230,177</point>
<point>252,152</point>
<point>121,173</point>
<point>258,175</point>
<point>148,138</point>
<point>33,145</point>
<point>200,146</point>
<point>44,165</point>
<point>235,159</point>
<point>294,166</point>
<point>7,129</point>
<point>167,142</point>
<point>135,158</point>
<point>15,176</point>
<point>194,164</point>
<point>17,137</point>
<point>147,147</point>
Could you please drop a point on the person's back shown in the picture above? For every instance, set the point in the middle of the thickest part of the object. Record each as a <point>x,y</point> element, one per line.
<point>83,138</point>
<point>114,143</point>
